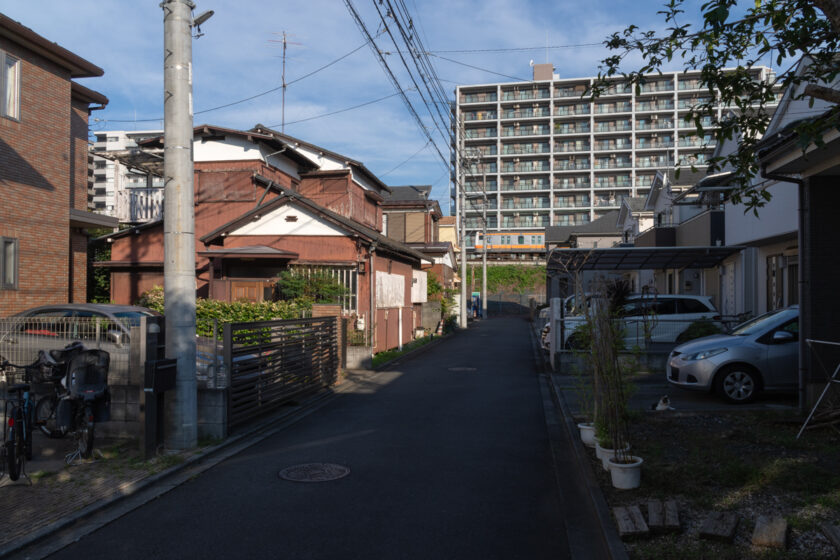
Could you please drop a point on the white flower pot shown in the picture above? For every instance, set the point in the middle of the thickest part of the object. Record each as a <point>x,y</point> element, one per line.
<point>587,433</point>
<point>626,476</point>
<point>605,453</point>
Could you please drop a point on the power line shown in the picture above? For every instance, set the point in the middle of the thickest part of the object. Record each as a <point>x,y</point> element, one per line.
<point>339,111</point>
<point>232,103</point>
<point>479,68</point>
<point>517,49</point>
<point>409,158</point>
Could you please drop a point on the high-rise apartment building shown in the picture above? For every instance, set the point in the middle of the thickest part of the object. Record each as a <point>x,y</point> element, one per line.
<point>128,194</point>
<point>545,155</point>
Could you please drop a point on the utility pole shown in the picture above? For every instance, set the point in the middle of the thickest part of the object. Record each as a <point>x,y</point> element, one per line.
<point>484,246</point>
<point>179,222</point>
<point>462,215</point>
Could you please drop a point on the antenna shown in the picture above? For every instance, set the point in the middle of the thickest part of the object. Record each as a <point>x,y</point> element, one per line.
<point>283,82</point>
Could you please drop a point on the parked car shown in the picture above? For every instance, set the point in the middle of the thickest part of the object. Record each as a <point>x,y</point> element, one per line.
<point>48,327</point>
<point>656,318</point>
<point>761,354</point>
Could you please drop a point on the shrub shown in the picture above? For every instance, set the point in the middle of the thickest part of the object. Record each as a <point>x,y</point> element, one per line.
<point>317,286</point>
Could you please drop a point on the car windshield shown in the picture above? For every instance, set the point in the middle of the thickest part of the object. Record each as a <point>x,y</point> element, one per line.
<point>131,314</point>
<point>762,323</point>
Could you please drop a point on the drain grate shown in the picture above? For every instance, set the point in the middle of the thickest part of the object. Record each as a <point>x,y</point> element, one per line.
<point>462,369</point>
<point>314,472</point>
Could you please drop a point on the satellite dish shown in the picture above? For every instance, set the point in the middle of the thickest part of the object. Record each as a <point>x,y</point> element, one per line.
<point>531,63</point>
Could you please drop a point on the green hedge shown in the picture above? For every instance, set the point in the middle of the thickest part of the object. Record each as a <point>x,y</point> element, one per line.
<point>206,310</point>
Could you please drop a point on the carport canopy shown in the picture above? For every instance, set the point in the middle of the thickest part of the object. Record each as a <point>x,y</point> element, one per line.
<point>637,258</point>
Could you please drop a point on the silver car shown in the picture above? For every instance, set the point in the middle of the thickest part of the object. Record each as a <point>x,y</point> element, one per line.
<point>761,354</point>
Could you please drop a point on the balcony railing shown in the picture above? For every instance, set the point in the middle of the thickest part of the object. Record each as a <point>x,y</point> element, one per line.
<point>478,97</point>
<point>527,204</point>
<point>567,128</point>
<point>612,163</point>
<point>695,142</point>
<point>612,182</point>
<point>525,131</point>
<point>616,144</point>
<point>579,183</point>
<point>624,107</point>
<point>572,146</point>
<point>473,205</point>
<point>654,125</point>
<point>565,110</point>
<point>525,95</point>
<point>652,162</point>
<point>512,149</point>
<point>481,168</point>
<point>481,150</point>
<point>662,85</point>
<point>525,185</point>
<point>644,180</point>
<point>525,113</point>
<point>695,159</point>
<point>645,144</point>
<point>525,167</point>
<point>574,91</point>
<point>565,202</point>
<point>688,123</point>
<point>655,105</point>
<point>692,102</point>
<point>526,221</point>
<point>479,187</point>
<point>480,133</point>
<point>607,202</point>
<point>475,223</point>
<point>564,165</point>
<point>570,219</point>
<point>690,84</point>
<point>618,89</point>
<point>613,126</point>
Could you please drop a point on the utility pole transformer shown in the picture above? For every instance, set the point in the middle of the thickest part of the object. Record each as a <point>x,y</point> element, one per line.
<point>179,222</point>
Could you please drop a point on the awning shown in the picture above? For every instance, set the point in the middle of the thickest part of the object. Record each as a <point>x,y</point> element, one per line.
<point>637,258</point>
<point>82,219</point>
<point>250,252</point>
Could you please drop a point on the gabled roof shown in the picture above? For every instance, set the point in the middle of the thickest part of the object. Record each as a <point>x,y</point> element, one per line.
<point>447,221</point>
<point>288,196</point>
<point>631,206</point>
<point>294,142</point>
<point>410,193</point>
<point>87,95</point>
<point>22,35</point>
<point>606,224</point>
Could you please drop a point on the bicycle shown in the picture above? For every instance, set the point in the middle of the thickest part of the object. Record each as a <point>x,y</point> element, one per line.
<point>17,437</point>
<point>53,369</point>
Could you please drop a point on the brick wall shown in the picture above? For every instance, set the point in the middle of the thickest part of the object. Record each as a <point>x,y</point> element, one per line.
<point>35,177</point>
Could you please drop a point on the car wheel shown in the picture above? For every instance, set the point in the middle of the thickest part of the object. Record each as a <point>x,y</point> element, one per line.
<point>738,384</point>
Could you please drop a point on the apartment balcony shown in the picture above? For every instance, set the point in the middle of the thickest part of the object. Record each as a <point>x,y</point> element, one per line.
<point>613,202</point>
<point>525,203</point>
<point>572,146</point>
<point>474,151</point>
<point>621,181</point>
<point>481,168</point>
<point>525,131</point>
<point>613,163</point>
<point>618,89</point>
<point>690,84</point>
<point>570,91</point>
<point>705,122</point>
<point>526,167</point>
<point>473,187</point>
<point>661,105</point>
<point>571,128</point>
<point>614,144</point>
<point>644,180</point>
<point>526,113</point>
<point>572,202</point>
<point>479,98</point>
<point>704,229</point>
<point>657,124</point>
<point>690,102</point>
<point>525,222</point>
<point>472,133</point>
<point>569,165</point>
<point>617,126</point>
<point>478,205</point>
<point>657,85</point>
<point>653,161</point>
<point>621,107</point>
<point>536,148</point>
<point>567,110</point>
<point>652,144</point>
<point>693,160</point>
<point>526,185</point>
<point>525,95</point>
<point>695,142</point>
<point>480,116</point>
<point>478,223</point>
<point>571,219</point>
<point>572,183</point>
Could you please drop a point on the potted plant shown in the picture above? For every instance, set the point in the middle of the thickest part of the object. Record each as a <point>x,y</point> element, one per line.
<point>611,391</point>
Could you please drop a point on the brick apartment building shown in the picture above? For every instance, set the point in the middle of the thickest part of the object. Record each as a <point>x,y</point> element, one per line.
<point>44,170</point>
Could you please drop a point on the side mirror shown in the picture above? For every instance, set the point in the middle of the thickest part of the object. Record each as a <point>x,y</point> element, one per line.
<point>117,337</point>
<point>782,336</point>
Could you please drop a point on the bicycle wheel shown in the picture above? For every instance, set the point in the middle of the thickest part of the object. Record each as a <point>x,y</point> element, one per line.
<point>14,447</point>
<point>45,417</point>
<point>85,435</point>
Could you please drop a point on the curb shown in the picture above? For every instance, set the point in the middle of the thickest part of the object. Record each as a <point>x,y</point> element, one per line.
<point>615,547</point>
<point>192,466</point>
<point>415,352</point>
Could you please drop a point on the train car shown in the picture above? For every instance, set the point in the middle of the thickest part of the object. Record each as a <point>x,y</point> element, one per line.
<point>513,241</point>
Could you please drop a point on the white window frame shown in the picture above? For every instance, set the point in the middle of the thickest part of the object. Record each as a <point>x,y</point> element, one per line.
<point>5,265</point>
<point>6,111</point>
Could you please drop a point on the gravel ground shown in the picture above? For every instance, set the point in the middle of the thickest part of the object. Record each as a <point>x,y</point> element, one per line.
<point>748,463</point>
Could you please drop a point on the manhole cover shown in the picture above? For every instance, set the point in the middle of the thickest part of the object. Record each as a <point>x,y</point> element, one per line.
<point>462,369</point>
<point>314,472</point>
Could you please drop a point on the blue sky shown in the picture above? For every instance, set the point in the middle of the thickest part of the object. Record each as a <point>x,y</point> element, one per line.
<point>239,56</point>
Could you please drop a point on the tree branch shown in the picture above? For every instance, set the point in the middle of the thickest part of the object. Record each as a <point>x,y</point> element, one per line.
<point>831,9</point>
<point>822,92</point>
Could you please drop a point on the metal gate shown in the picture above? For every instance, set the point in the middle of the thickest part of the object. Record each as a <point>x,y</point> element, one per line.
<point>271,362</point>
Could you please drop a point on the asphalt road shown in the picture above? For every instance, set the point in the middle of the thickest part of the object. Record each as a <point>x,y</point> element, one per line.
<point>449,457</point>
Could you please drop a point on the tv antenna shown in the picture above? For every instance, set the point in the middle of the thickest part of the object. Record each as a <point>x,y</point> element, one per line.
<point>285,42</point>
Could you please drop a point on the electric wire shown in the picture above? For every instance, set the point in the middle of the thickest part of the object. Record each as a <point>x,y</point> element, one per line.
<point>409,158</point>
<point>338,111</point>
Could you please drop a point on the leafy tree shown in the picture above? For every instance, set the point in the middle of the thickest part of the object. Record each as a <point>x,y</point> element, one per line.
<point>317,286</point>
<point>732,37</point>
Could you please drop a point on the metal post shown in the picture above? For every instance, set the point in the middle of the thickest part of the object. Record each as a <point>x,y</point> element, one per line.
<point>484,252</point>
<point>462,214</point>
<point>179,222</point>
